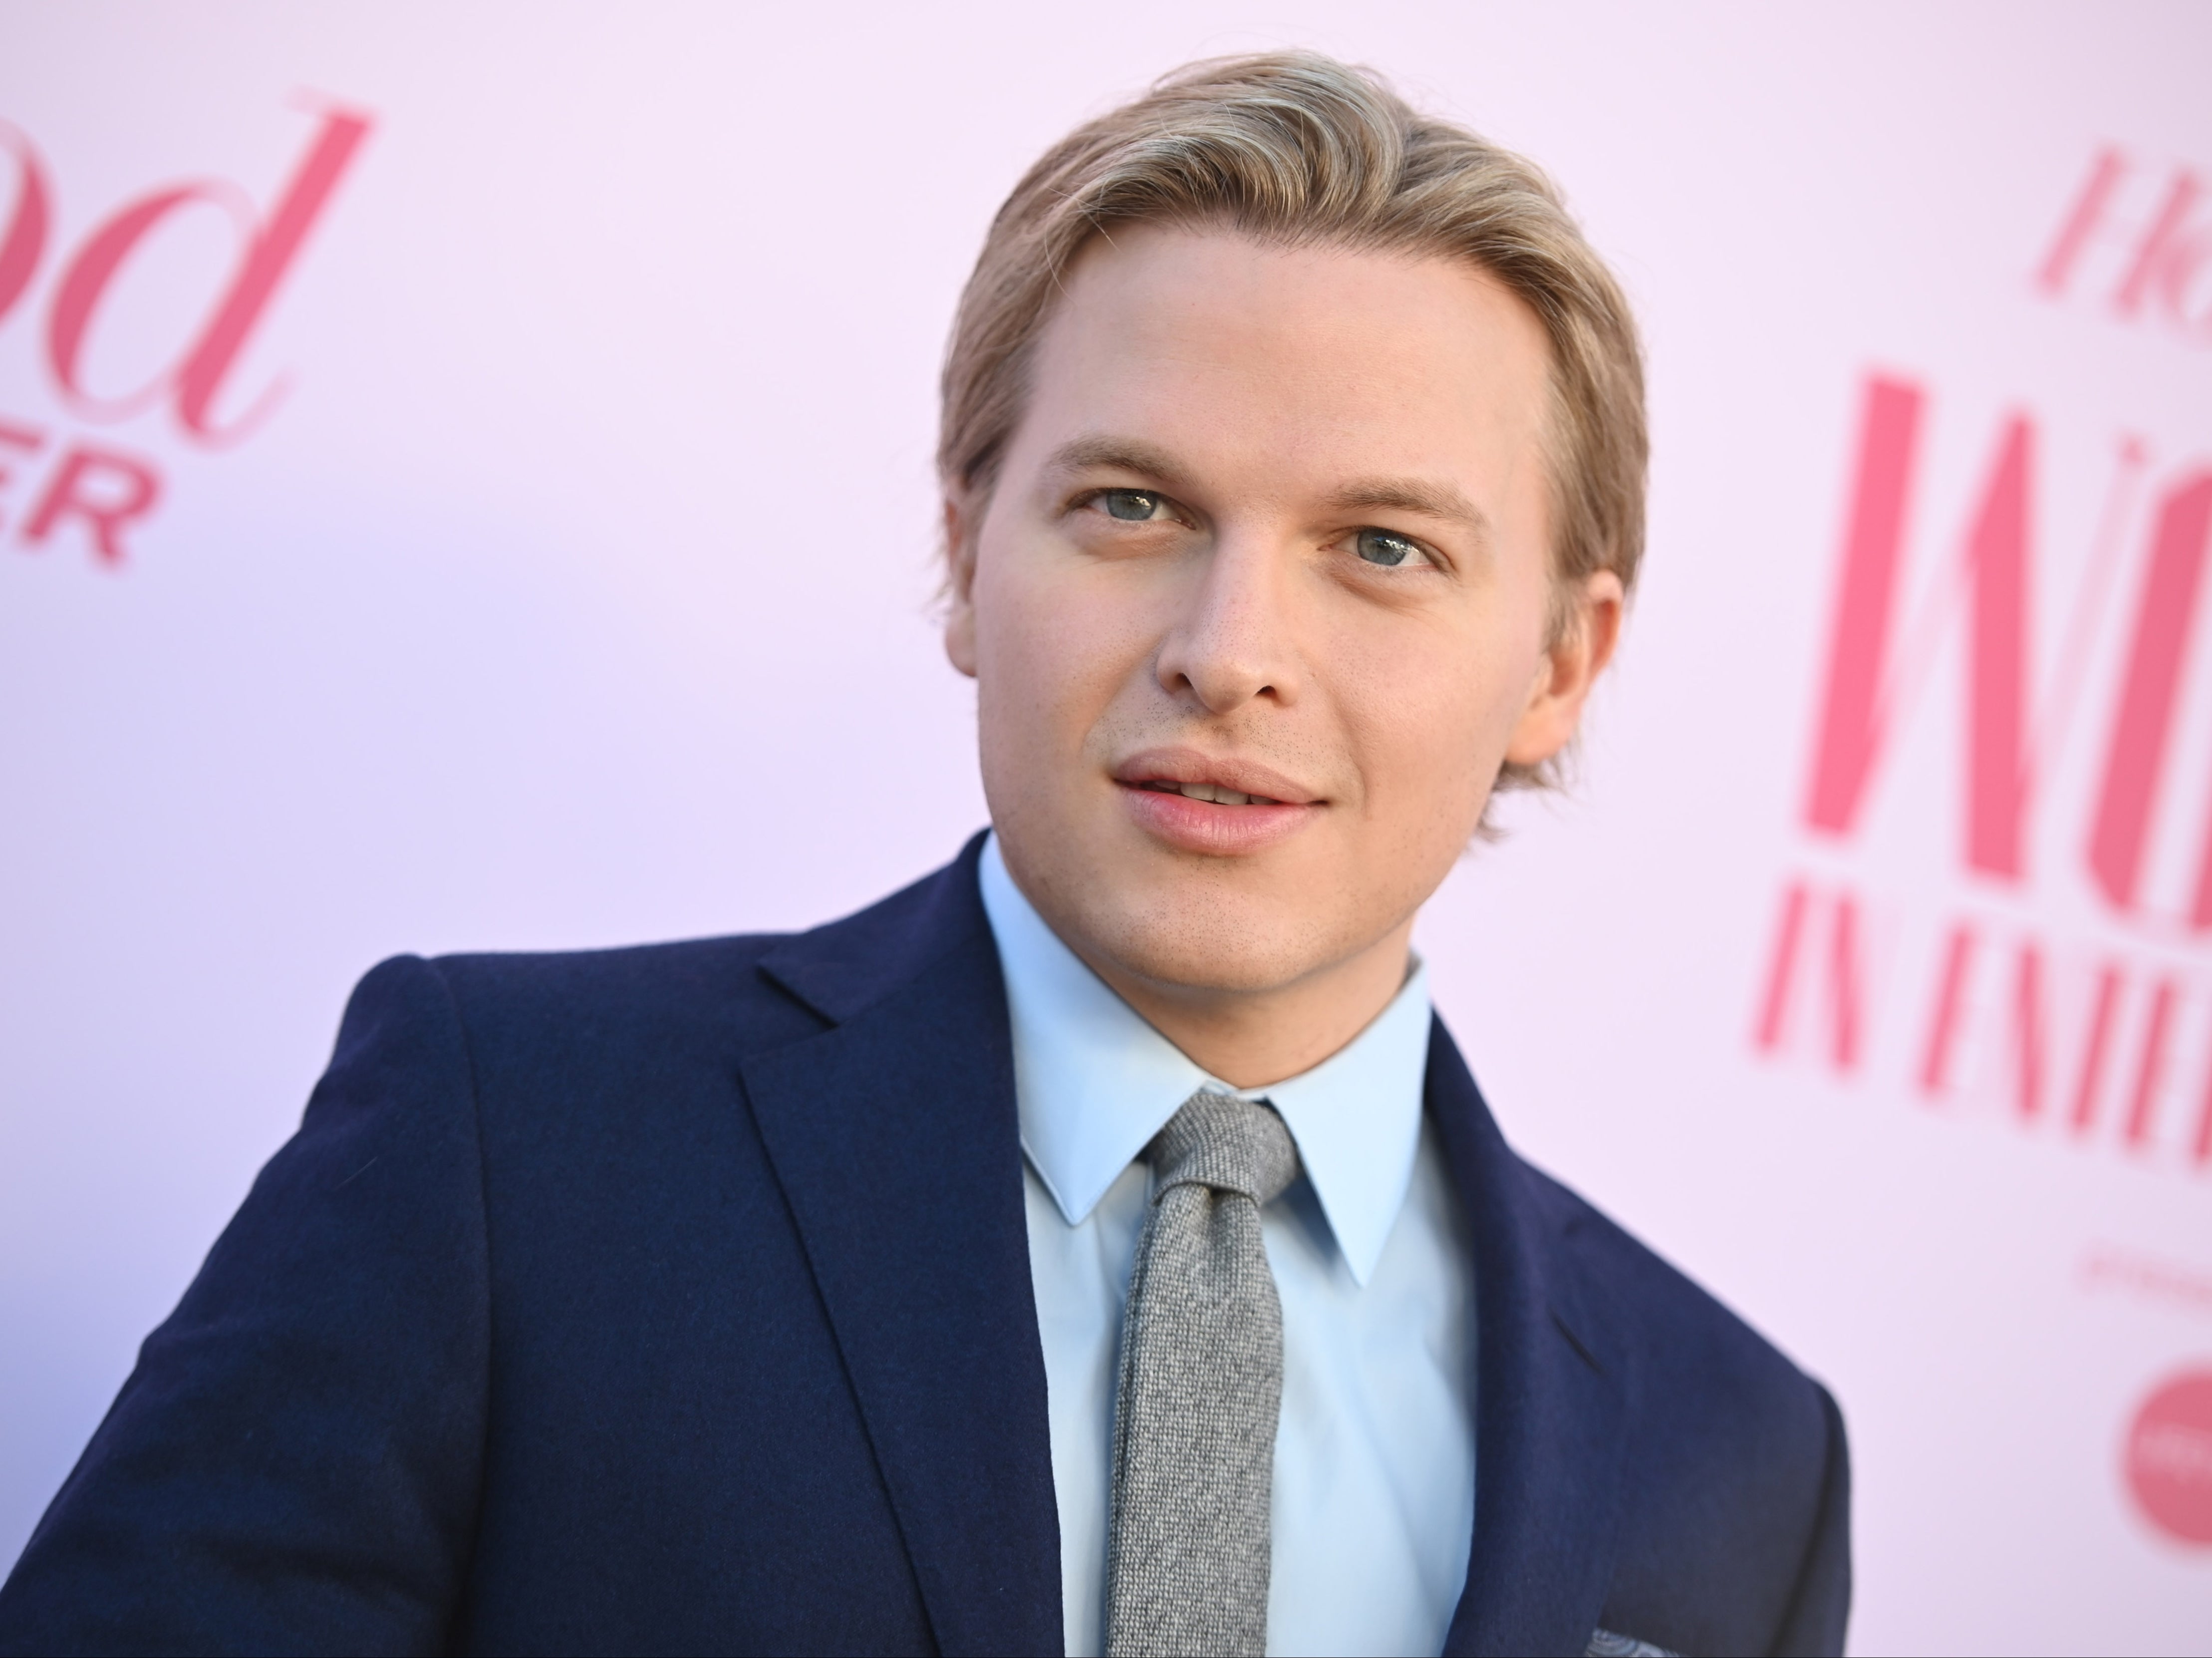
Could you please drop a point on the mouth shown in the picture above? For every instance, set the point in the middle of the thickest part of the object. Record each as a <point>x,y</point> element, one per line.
<point>1219,782</point>
<point>1219,808</point>
<point>1214,791</point>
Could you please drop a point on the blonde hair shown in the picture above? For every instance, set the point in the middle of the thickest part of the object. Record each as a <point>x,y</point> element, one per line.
<point>1297,148</point>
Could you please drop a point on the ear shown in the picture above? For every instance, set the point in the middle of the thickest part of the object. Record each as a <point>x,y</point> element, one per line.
<point>1570,668</point>
<point>961,513</point>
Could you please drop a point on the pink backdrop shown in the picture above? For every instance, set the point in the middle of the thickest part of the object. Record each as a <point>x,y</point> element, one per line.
<point>464,483</point>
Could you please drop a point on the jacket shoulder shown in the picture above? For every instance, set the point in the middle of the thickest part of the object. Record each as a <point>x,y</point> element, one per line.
<point>654,990</point>
<point>1740,1456</point>
<point>741,994</point>
<point>1673,1319</point>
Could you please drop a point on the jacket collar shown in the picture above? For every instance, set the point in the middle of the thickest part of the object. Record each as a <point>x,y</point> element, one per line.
<point>1554,1392</point>
<point>893,1134</point>
<point>1095,1083</point>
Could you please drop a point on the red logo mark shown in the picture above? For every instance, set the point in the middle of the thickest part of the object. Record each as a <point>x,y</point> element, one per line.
<point>1997,554</point>
<point>2103,1046</point>
<point>2169,1458</point>
<point>2140,238</point>
<point>99,488</point>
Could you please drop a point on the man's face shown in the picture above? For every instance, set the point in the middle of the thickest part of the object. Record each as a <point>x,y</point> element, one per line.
<point>1259,602</point>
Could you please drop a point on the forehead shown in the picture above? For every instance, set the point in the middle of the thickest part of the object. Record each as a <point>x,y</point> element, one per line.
<point>1326,356</point>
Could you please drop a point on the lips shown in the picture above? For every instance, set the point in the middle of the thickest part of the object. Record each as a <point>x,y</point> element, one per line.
<point>1223,780</point>
<point>1216,807</point>
<point>1213,792</point>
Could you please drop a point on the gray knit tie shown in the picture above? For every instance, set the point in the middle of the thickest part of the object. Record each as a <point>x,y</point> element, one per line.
<point>1200,1389</point>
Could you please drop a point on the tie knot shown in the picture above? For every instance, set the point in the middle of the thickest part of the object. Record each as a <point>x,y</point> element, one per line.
<point>1229,1144</point>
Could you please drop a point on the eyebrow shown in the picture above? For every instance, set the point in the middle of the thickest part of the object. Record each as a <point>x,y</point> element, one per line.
<point>1437,501</point>
<point>1125,454</point>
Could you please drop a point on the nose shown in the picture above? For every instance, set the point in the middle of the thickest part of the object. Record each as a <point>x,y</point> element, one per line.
<point>1232,641</point>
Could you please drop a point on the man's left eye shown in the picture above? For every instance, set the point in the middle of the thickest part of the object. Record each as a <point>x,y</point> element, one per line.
<point>1133,506</point>
<point>1381,547</point>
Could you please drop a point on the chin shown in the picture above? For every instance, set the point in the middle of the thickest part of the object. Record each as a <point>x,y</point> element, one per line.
<point>1196,936</point>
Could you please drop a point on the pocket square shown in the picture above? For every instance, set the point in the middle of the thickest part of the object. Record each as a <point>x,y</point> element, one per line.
<point>1604,1644</point>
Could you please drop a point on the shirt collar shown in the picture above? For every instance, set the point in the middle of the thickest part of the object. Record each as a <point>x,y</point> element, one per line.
<point>1094,1082</point>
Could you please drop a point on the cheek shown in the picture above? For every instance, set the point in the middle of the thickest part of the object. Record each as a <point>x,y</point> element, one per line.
<point>1434,720</point>
<point>1053,647</point>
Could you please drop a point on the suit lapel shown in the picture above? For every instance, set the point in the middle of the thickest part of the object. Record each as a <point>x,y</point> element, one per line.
<point>1553,1398</point>
<point>895,1138</point>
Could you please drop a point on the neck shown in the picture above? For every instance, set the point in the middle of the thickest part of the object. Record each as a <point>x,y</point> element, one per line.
<point>1255,1038</point>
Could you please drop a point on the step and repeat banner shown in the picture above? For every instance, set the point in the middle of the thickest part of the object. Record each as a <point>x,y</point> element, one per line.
<point>465,484</point>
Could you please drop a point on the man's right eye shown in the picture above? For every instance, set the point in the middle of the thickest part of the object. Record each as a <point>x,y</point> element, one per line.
<point>1133,505</point>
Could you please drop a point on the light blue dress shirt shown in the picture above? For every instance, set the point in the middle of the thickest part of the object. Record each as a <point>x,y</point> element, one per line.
<point>1374,1490</point>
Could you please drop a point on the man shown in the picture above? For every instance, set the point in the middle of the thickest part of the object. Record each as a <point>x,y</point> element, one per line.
<point>1098,1243</point>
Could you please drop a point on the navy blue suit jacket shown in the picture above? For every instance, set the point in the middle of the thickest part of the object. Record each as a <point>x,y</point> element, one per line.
<point>678,1299</point>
